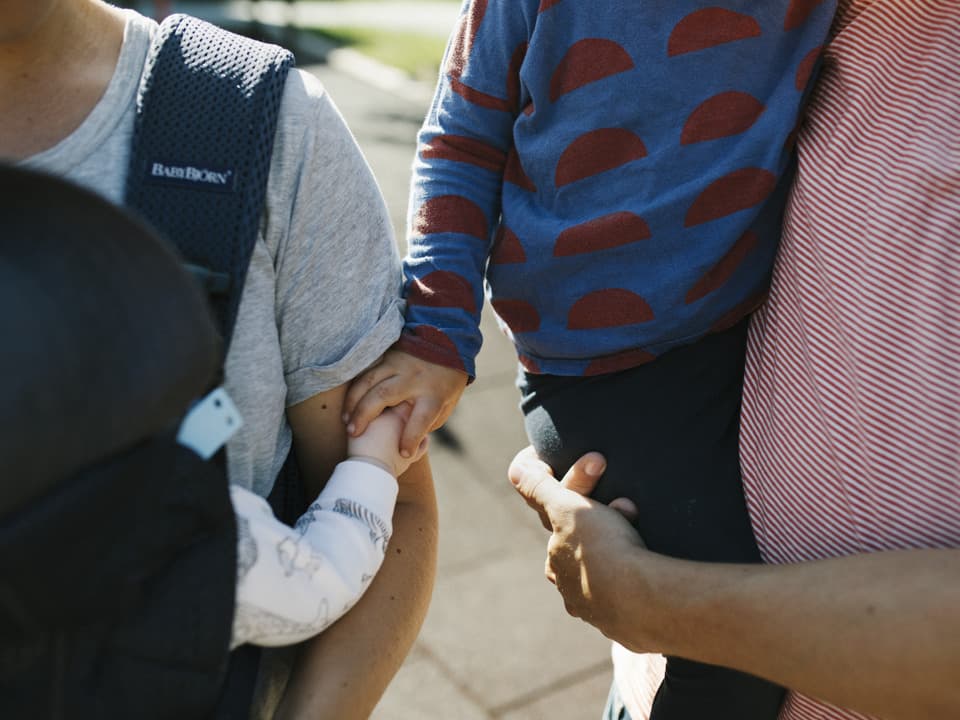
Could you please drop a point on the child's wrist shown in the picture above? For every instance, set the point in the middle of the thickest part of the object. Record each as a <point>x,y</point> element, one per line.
<point>374,461</point>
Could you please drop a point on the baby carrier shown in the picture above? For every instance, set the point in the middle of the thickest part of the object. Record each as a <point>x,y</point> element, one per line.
<point>118,544</point>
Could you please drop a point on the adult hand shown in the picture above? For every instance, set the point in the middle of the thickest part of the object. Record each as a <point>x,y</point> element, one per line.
<point>592,547</point>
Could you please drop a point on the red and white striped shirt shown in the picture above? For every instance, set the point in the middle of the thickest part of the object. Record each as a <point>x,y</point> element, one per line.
<point>850,439</point>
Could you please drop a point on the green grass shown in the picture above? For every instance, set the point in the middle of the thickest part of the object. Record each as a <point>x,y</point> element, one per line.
<point>418,55</point>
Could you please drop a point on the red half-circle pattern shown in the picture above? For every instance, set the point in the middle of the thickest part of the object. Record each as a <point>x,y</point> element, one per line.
<point>442,288</point>
<point>432,345</point>
<point>612,307</point>
<point>723,115</point>
<point>519,315</point>
<point>481,99</point>
<point>507,248</point>
<point>460,148</point>
<point>716,276</point>
<point>618,361</point>
<point>732,193</point>
<point>587,61</point>
<point>514,172</point>
<point>602,233</point>
<point>546,5</point>
<point>708,28</point>
<point>463,37</point>
<point>451,213</point>
<point>513,76</point>
<point>739,312</point>
<point>459,55</point>
<point>806,66</point>
<point>596,152</point>
<point>529,364</point>
<point>798,12</point>
<point>791,142</point>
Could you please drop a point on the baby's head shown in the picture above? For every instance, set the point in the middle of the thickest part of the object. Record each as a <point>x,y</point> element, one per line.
<point>106,338</point>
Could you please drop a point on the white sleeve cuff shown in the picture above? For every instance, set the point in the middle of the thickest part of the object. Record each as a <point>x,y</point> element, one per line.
<point>365,483</point>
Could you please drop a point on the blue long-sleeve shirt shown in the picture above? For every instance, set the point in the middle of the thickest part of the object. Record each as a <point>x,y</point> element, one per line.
<point>615,170</point>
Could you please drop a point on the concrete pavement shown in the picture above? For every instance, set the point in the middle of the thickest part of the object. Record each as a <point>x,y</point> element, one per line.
<point>284,23</point>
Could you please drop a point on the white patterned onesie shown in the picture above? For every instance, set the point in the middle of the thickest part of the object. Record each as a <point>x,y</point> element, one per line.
<point>292,583</point>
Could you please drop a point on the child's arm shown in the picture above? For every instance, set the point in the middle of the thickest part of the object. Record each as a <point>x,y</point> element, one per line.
<point>463,157</point>
<point>432,390</point>
<point>292,583</point>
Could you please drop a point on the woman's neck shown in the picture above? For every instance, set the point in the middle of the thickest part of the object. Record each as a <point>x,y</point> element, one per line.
<point>57,58</point>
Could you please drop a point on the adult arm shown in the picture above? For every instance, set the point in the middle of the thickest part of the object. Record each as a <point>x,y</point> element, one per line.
<point>877,633</point>
<point>343,672</point>
<point>338,308</point>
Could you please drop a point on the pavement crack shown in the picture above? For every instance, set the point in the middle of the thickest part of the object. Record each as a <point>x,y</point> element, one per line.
<point>560,683</point>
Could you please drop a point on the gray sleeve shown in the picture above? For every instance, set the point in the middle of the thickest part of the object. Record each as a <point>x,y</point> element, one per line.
<point>338,277</point>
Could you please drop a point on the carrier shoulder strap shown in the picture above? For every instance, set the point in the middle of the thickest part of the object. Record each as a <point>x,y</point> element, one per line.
<point>203,136</point>
<point>207,114</point>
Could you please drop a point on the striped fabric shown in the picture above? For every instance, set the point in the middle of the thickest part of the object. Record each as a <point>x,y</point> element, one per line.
<point>851,421</point>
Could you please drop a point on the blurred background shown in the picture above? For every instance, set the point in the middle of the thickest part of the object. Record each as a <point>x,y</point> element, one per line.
<point>497,642</point>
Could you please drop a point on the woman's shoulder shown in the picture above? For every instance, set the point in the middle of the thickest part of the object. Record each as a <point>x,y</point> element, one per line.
<point>304,105</point>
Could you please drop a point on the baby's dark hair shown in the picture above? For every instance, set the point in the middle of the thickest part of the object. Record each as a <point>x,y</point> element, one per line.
<point>104,338</point>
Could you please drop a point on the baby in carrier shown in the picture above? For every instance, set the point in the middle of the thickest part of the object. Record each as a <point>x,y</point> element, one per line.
<point>131,568</point>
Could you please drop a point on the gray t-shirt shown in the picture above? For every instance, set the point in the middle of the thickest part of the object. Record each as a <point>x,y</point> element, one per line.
<point>322,295</point>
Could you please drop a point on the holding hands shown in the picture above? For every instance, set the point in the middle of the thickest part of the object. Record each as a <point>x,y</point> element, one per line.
<point>593,551</point>
<point>380,441</point>
<point>431,391</point>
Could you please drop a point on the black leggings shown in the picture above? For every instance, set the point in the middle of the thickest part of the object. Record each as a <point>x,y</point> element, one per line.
<point>669,431</point>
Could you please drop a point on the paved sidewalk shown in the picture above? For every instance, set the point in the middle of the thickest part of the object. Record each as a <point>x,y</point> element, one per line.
<point>284,23</point>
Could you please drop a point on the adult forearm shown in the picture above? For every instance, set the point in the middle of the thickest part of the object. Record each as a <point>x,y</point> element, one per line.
<point>343,673</point>
<point>877,633</point>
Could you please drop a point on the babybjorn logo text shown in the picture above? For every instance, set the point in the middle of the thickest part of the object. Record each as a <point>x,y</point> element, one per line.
<point>190,173</point>
<point>190,177</point>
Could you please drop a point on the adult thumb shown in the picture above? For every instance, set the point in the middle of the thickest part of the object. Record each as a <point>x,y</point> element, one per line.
<point>583,475</point>
<point>533,479</point>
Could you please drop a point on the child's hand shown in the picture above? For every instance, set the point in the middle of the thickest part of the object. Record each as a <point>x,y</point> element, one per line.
<point>432,390</point>
<point>380,442</point>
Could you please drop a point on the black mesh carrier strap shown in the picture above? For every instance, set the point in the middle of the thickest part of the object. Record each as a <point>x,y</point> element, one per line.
<point>206,119</point>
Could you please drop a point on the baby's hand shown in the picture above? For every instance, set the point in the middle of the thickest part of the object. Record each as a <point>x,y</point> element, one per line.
<point>432,391</point>
<point>380,442</point>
